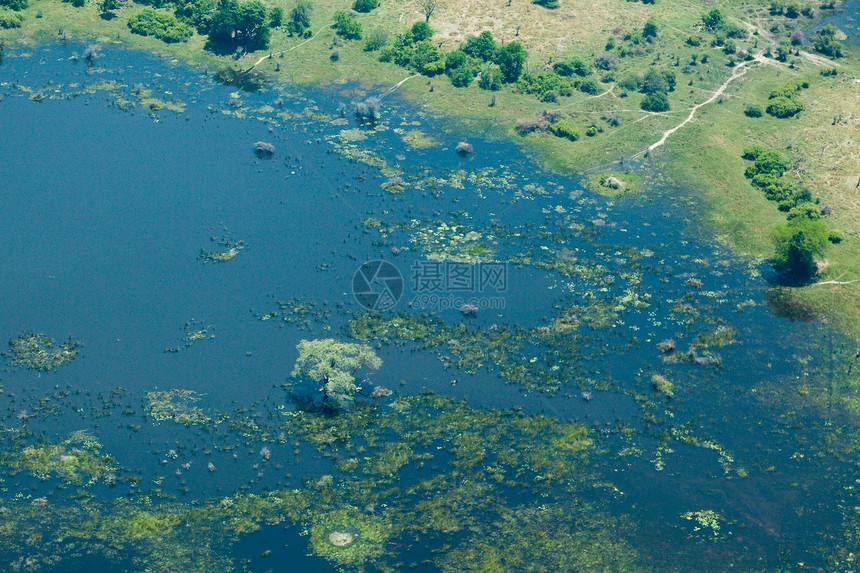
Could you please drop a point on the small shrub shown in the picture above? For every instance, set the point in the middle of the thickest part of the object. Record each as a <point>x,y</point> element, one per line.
<point>550,4</point>
<point>368,110</point>
<point>334,55</point>
<point>376,40</point>
<point>589,86</point>
<point>563,129</point>
<point>464,148</point>
<point>490,78</point>
<point>631,81</point>
<point>591,131</point>
<point>753,110</point>
<point>606,62</point>
<point>825,42</point>
<point>461,77</point>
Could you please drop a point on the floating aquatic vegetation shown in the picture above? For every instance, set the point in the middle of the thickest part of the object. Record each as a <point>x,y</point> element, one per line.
<point>394,185</point>
<point>722,336</point>
<point>348,536</point>
<point>562,536</point>
<point>706,521</point>
<point>417,139</point>
<point>194,332</point>
<point>297,313</point>
<point>456,243</point>
<point>40,352</point>
<point>662,385</point>
<point>356,153</point>
<point>177,405</point>
<point>77,460</point>
<point>233,247</point>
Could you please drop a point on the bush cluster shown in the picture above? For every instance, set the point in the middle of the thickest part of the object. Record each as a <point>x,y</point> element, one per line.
<point>14,4</point>
<point>783,102</point>
<point>161,25</point>
<point>9,19</point>
<point>825,42</point>
<point>346,26</point>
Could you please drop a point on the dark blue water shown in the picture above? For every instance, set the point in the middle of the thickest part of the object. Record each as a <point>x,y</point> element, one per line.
<point>105,212</point>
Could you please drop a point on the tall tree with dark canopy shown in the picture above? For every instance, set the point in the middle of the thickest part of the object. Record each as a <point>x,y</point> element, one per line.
<point>239,25</point>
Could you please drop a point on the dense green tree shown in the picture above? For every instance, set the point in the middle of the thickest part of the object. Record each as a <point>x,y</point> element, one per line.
<point>482,47</point>
<point>798,243</point>
<point>332,365</point>
<point>365,6</point>
<point>421,31</point>
<point>657,101</point>
<point>713,19</point>
<point>650,29</point>
<point>196,13</point>
<point>14,4</point>
<point>455,59</point>
<point>8,20</point>
<point>276,17</point>
<point>239,24</point>
<point>511,58</point>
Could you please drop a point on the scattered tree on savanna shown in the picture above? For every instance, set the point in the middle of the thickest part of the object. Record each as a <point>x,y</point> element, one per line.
<point>428,7</point>
<point>300,18</point>
<point>107,7</point>
<point>332,365</point>
<point>346,26</point>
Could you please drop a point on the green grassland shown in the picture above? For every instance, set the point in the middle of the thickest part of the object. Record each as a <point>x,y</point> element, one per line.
<point>705,153</point>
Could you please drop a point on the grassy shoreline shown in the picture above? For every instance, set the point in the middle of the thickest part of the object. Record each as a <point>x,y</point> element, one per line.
<point>705,154</point>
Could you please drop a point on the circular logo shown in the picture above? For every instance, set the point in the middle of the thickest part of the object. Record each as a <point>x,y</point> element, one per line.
<point>377,285</point>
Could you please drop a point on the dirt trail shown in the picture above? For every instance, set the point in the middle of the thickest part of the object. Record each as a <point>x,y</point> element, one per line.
<point>739,70</point>
<point>266,57</point>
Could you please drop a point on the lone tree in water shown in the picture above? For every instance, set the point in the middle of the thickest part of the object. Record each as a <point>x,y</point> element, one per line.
<point>332,365</point>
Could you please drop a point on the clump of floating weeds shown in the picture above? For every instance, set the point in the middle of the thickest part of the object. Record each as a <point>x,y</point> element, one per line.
<point>40,352</point>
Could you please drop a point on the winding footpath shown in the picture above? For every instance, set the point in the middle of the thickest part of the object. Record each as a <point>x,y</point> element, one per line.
<point>739,70</point>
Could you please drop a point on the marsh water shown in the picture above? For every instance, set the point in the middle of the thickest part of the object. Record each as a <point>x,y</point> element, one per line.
<point>632,397</point>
